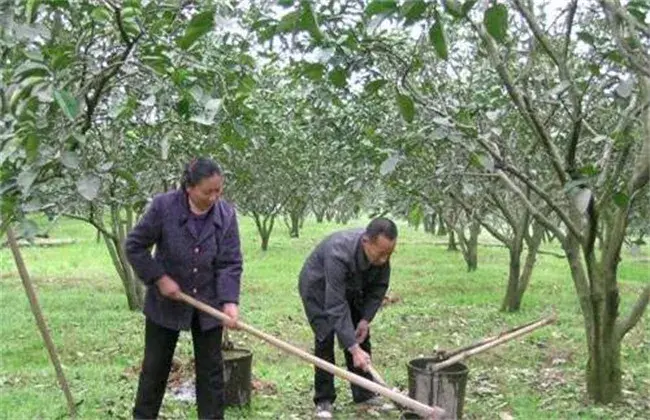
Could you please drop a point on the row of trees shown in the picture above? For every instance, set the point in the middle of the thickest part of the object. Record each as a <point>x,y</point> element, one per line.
<point>508,118</point>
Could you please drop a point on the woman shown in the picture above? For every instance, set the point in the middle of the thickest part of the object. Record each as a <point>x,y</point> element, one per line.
<point>197,253</point>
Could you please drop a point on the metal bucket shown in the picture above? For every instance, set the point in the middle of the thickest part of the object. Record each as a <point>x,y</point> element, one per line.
<point>237,376</point>
<point>444,388</point>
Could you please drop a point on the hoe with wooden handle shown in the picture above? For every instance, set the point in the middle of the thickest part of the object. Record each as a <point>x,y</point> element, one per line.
<point>432,413</point>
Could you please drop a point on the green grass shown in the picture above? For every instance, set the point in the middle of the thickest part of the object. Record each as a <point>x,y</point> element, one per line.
<point>440,306</point>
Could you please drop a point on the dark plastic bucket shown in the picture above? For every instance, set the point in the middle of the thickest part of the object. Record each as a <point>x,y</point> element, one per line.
<point>444,388</point>
<point>237,366</point>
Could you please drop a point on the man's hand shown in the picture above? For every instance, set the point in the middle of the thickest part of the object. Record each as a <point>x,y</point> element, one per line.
<point>362,331</point>
<point>360,358</point>
<point>232,310</point>
<point>168,287</point>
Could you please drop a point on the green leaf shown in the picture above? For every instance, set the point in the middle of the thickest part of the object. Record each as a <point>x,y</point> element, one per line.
<point>586,37</point>
<point>454,8</point>
<point>31,145</point>
<point>624,89</point>
<point>438,39</point>
<point>487,162</point>
<point>338,77</point>
<point>183,108</point>
<point>388,165</point>
<point>199,25</point>
<point>30,69</point>
<point>289,21</point>
<point>638,9</point>
<point>377,7</point>
<point>496,22</point>
<point>285,3</point>
<point>68,103</point>
<point>413,10</point>
<point>314,71</point>
<point>406,107</point>
<point>589,170</point>
<point>25,180</point>
<point>621,199</point>
<point>373,86</point>
<point>101,14</point>
<point>44,92</point>
<point>308,21</point>
<point>467,6</point>
<point>31,9</point>
<point>70,160</point>
<point>128,177</point>
<point>88,187</point>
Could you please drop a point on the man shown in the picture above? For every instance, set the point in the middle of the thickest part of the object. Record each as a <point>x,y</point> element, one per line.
<point>342,285</point>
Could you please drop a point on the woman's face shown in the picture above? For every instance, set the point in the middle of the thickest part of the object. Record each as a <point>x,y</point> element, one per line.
<point>206,192</point>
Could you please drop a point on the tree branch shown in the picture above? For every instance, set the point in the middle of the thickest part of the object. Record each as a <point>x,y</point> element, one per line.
<point>92,222</point>
<point>506,213</point>
<point>641,173</point>
<point>544,221</point>
<point>487,227</point>
<point>632,54</point>
<point>563,72</point>
<point>108,73</point>
<point>624,326</point>
<point>549,201</point>
<point>569,24</point>
<point>521,102</point>
<point>624,15</point>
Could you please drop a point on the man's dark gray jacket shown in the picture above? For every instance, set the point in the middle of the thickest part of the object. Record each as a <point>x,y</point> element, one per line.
<point>337,274</point>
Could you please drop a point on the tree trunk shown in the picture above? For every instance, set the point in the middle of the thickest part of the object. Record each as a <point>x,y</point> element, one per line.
<point>429,223</point>
<point>604,364</point>
<point>472,246</point>
<point>264,228</point>
<point>296,217</point>
<point>128,282</point>
<point>442,231</point>
<point>133,288</point>
<point>132,277</point>
<point>529,265</point>
<point>452,240</point>
<point>469,246</point>
<point>511,301</point>
<point>320,215</point>
<point>294,231</point>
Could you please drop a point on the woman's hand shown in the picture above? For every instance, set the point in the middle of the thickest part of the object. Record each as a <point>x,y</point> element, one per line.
<point>168,288</point>
<point>232,310</point>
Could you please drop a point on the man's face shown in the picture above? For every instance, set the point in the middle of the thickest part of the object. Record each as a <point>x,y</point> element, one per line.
<point>378,250</point>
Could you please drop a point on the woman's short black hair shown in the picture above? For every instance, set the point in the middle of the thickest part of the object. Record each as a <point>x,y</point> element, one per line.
<point>197,170</point>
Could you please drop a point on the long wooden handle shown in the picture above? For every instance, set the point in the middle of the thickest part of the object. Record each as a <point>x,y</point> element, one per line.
<point>418,407</point>
<point>376,376</point>
<point>493,343</point>
<point>451,353</point>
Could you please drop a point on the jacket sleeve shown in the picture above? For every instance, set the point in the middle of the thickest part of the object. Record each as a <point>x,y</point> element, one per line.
<point>146,233</point>
<point>375,293</point>
<point>229,264</point>
<point>336,304</point>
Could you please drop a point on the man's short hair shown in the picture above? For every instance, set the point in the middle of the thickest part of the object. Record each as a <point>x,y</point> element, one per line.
<point>381,226</point>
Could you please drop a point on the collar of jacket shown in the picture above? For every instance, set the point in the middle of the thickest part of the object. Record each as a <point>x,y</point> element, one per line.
<point>183,202</point>
<point>361,259</point>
